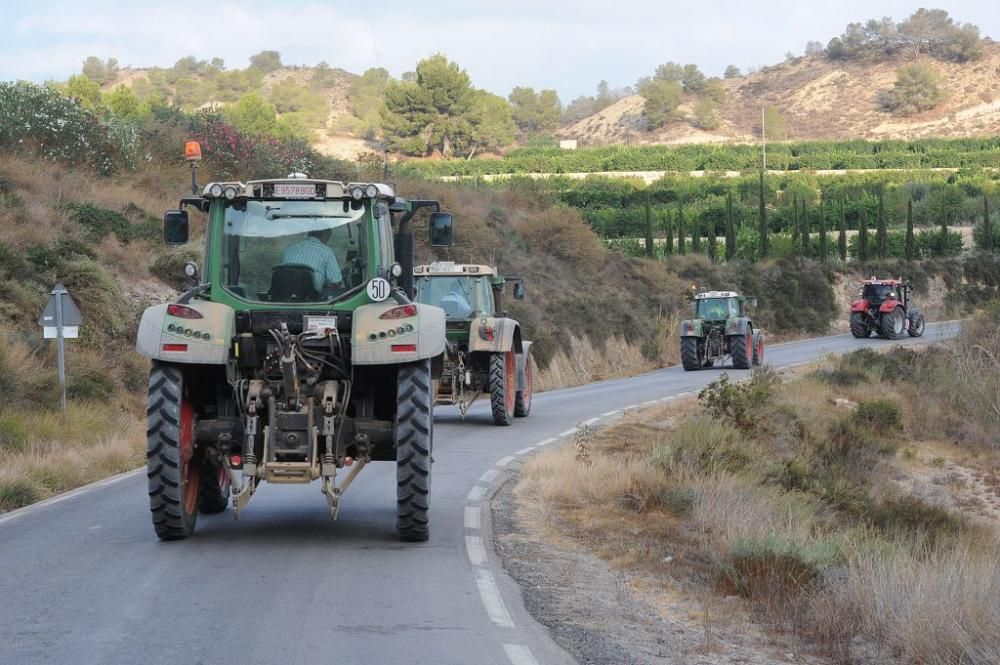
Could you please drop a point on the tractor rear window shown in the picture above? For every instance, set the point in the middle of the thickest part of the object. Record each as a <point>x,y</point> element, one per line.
<point>461,296</point>
<point>294,251</point>
<point>718,308</point>
<point>877,292</point>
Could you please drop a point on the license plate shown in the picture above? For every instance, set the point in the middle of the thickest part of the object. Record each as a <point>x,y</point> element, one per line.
<point>294,191</point>
<point>320,324</point>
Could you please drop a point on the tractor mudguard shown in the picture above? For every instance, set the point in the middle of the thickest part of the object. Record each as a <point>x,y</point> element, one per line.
<point>888,306</point>
<point>691,328</point>
<point>505,335</point>
<point>377,341</point>
<point>522,359</point>
<point>203,336</point>
<point>859,306</point>
<point>738,325</point>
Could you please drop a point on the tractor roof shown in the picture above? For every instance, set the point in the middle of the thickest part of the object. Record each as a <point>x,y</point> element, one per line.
<point>452,268</point>
<point>883,282</point>
<point>716,294</point>
<point>298,186</point>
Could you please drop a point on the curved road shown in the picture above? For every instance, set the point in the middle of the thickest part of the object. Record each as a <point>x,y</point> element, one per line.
<point>84,580</point>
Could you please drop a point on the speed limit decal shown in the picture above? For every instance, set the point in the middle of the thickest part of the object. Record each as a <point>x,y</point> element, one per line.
<point>378,289</point>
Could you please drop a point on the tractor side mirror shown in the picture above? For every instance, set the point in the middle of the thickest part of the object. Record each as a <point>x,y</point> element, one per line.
<point>175,227</point>
<point>439,229</point>
<point>518,290</point>
<point>751,302</point>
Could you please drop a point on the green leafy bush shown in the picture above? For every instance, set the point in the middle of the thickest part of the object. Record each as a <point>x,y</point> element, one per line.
<point>740,404</point>
<point>882,416</point>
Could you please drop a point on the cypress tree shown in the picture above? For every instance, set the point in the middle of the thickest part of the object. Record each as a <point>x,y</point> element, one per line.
<point>795,219</point>
<point>880,234</point>
<point>987,226</point>
<point>712,250</point>
<point>945,218</point>
<point>765,248</point>
<point>805,230</point>
<point>730,228</point>
<point>910,253</point>
<point>863,236</point>
<point>649,229</point>
<point>668,226</point>
<point>681,249</point>
<point>842,237</point>
<point>822,231</point>
<point>696,230</point>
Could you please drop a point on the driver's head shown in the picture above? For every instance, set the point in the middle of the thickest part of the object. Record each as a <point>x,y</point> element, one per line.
<point>323,235</point>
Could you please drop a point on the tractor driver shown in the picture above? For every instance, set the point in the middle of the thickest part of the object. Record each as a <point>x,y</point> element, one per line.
<point>455,303</point>
<point>715,310</point>
<point>314,251</point>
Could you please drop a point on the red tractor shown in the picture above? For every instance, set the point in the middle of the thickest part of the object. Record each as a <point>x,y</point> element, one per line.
<point>884,307</point>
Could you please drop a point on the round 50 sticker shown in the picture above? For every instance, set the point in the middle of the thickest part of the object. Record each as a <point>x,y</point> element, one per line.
<point>378,289</point>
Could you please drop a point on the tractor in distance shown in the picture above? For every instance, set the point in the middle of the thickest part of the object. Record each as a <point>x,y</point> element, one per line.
<point>297,352</point>
<point>485,352</point>
<point>720,329</point>
<point>884,306</point>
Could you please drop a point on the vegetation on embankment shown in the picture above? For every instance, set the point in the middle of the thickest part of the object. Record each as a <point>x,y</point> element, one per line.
<point>854,508</point>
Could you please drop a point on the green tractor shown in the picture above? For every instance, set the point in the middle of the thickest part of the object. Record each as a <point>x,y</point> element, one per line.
<point>297,352</point>
<point>721,329</point>
<point>485,353</point>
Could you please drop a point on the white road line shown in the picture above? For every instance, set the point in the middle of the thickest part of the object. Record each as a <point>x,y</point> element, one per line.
<point>476,493</point>
<point>489,593</point>
<point>519,654</point>
<point>665,399</point>
<point>524,451</point>
<point>476,550</point>
<point>473,515</point>
<point>571,430</point>
<point>610,413</point>
<point>488,476</point>
<point>648,402</point>
<point>14,514</point>
<point>590,422</point>
<point>630,407</point>
<point>504,461</point>
<point>545,442</point>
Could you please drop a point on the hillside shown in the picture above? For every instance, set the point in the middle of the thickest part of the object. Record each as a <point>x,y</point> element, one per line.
<point>820,99</point>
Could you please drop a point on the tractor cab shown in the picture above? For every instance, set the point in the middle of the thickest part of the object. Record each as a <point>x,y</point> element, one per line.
<point>884,307</point>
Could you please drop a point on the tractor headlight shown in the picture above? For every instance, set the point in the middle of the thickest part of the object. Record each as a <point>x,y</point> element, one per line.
<point>215,191</point>
<point>357,192</point>
<point>371,191</point>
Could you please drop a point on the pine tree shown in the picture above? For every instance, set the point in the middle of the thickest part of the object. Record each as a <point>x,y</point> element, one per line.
<point>681,249</point>
<point>806,249</point>
<point>842,237</point>
<point>910,253</point>
<point>649,229</point>
<point>765,248</point>
<point>880,233</point>
<point>730,228</point>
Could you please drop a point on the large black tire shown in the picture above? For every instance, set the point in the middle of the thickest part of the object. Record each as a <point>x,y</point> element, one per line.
<point>173,472</point>
<point>503,387</point>
<point>522,403</point>
<point>214,489</point>
<point>891,325</point>
<point>859,325</point>
<point>689,354</point>
<point>917,325</point>
<point>414,443</point>
<point>741,350</point>
<point>758,349</point>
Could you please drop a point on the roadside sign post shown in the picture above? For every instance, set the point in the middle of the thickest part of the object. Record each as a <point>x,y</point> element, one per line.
<point>61,320</point>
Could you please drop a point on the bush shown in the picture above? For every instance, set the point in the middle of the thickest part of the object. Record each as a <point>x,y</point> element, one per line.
<point>99,222</point>
<point>14,433</point>
<point>702,444</point>
<point>741,404</point>
<point>773,569</point>
<point>910,516</point>
<point>918,88</point>
<point>17,491</point>
<point>90,385</point>
<point>882,416</point>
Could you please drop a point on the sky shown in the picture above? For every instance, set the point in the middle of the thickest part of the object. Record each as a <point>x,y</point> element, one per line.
<point>565,45</point>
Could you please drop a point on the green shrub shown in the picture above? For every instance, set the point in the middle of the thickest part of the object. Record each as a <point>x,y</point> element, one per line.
<point>740,404</point>
<point>771,569</point>
<point>679,500</point>
<point>882,416</point>
<point>709,446</point>
<point>850,442</point>
<point>99,222</point>
<point>843,377</point>
<point>18,491</point>
<point>90,385</point>
<point>14,433</point>
<point>169,267</point>
<point>909,515</point>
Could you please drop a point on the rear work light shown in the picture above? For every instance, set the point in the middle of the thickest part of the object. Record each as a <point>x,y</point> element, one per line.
<point>184,312</point>
<point>401,312</point>
<point>404,348</point>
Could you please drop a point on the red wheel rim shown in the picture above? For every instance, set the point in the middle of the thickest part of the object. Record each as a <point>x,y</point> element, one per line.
<point>510,380</point>
<point>760,351</point>
<point>190,475</point>
<point>750,347</point>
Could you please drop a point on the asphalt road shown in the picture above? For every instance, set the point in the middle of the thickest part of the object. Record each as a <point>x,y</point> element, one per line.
<point>84,579</point>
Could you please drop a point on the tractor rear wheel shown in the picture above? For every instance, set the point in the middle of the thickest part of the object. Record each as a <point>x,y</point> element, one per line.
<point>173,473</point>
<point>917,325</point>
<point>503,387</point>
<point>214,489</point>
<point>414,444</point>
<point>522,405</point>
<point>689,354</point>
<point>741,350</point>
<point>892,324</point>
<point>859,327</point>
<point>758,348</point>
